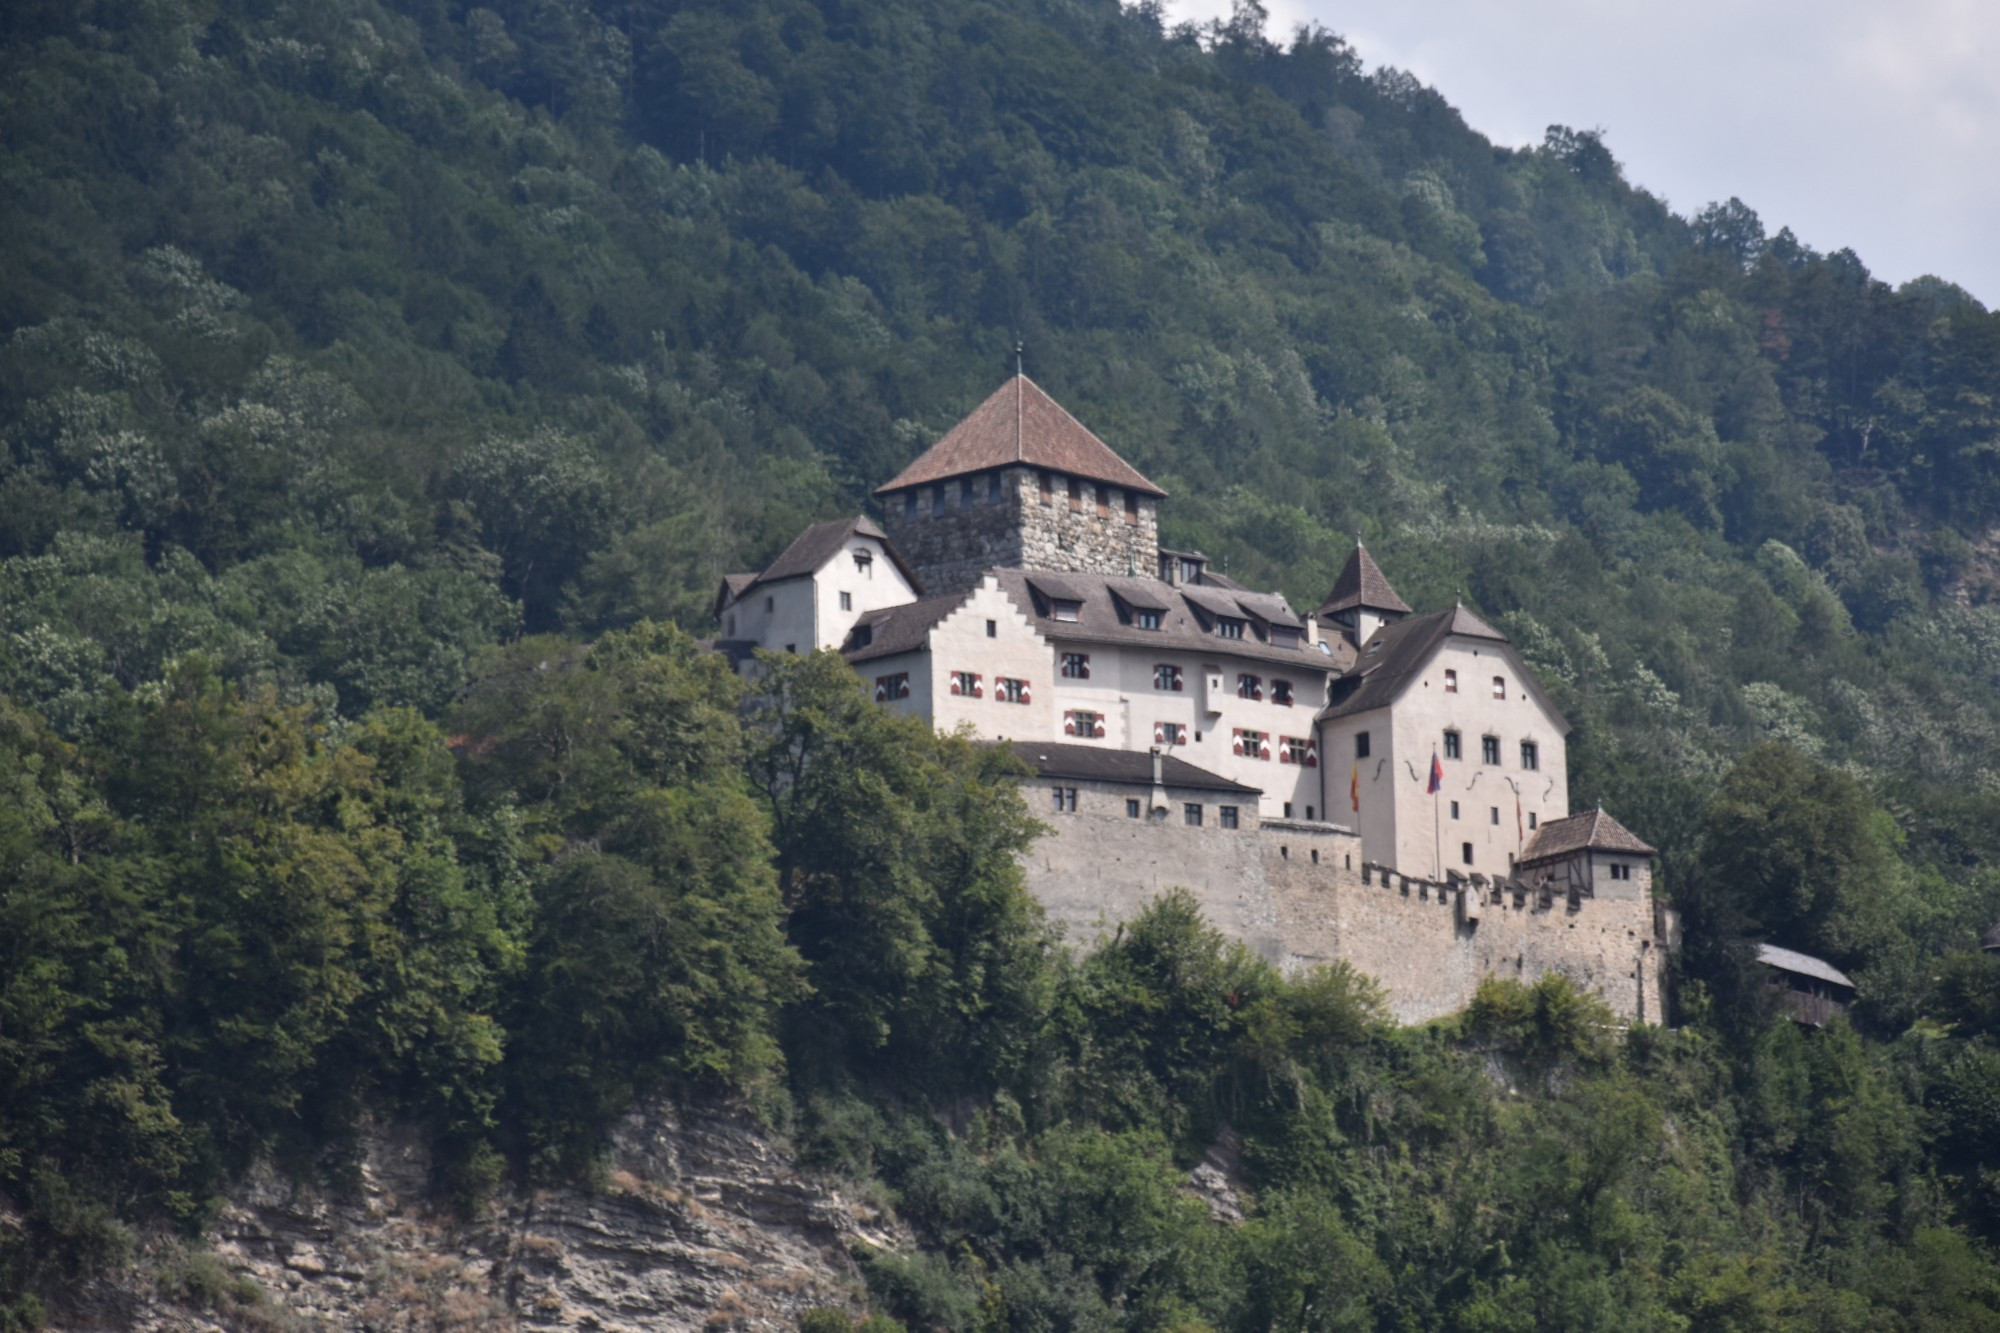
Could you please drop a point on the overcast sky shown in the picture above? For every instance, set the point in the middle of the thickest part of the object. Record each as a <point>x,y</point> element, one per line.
<point>1867,124</point>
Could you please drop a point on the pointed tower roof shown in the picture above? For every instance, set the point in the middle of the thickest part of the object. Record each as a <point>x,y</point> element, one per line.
<point>1361,583</point>
<point>1020,424</point>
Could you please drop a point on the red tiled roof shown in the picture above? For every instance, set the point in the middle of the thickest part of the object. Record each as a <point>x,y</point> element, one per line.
<point>1362,583</point>
<point>1020,424</point>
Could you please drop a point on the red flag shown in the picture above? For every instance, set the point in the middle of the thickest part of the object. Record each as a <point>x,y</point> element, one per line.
<point>1437,776</point>
<point>1354,789</point>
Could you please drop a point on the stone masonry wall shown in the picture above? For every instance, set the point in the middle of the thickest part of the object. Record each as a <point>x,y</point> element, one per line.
<point>1295,893</point>
<point>951,546</point>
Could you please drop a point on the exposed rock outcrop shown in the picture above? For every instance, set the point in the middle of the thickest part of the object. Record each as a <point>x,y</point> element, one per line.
<point>703,1221</point>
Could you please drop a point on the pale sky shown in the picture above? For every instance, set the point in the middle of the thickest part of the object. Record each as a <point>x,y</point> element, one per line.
<point>1867,124</point>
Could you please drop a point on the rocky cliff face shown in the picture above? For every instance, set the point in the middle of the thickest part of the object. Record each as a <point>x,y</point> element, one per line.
<point>703,1221</point>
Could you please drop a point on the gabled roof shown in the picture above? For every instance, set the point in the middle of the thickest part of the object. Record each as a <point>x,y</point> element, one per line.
<point>810,551</point>
<point>1397,653</point>
<point>1020,424</point>
<point>899,629</point>
<point>1592,830</point>
<point>1362,583</point>
<point>1092,763</point>
<point>1790,960</point>
<point>733,587</point>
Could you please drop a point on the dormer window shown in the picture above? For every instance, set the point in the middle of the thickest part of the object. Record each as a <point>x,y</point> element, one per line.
<point>1283,636</point>
<point>1146,619</point>
<point>1229,627</point>
<point>863,635</point>
<point>1063,609</point>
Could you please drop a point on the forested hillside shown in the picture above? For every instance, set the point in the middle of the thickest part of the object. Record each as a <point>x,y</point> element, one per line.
<point>375,375</point>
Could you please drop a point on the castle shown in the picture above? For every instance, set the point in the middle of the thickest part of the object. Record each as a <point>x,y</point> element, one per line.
<point>1359,782</point>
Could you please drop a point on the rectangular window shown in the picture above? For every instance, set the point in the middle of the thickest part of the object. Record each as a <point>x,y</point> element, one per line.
<point>1249,687</point>
<point>1531,821</point>
<point>1075,496</point>
<point>909,504</point>
<point>968,684</point>
<point>1083,724</point>
<point>1225,815</point>
<point>1360,745</point>
<point>1451,745</point>
<point>1288,809</point>
<point>992,629</point>
<point>1009,690</point>
<point>1465,852</point>
<point>965,500</point>
<point>996,487</point>
<point>1531,755</point>
<point>896,686</point>
<point>1076,666</point>
<point>1454,809</point>
<point>1131,807</point>
<point>1450,681</point>
<point>1191,814</point>
<point>1489,749</point>
<point>847,601</point>
<point>1281,693</point>
<point>1167,677</point>
<point>1132,508</point>
<point>1494,812</point>
<point>1170,733</point>
<point>1146,619</point>
<point>1064,610</point>
<point>937,498</point>
<point>864,560</point>
<point>1297,750</point>
<point>1251,744</point>
<point>1499,687</point>
<point>1621,871</point>
<point>1283,636</point>
<point>1228,627</point>
<point>1065,800</point>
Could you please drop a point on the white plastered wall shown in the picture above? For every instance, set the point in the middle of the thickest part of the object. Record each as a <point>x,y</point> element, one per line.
<point>960,642</point>
<point>1121,689</point>
<point>1418,721</point>
<point>874,584</point>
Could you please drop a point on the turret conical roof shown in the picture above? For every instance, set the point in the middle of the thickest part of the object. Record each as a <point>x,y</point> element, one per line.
<point>1362,583</point>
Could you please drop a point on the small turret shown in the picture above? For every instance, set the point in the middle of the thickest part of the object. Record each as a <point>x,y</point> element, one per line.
<point>1362,600</point>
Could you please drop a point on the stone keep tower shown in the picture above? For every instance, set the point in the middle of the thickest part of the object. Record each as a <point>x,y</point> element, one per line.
<point>1021,484</point>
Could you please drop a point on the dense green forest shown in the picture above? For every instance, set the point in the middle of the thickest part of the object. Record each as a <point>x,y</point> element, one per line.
<point>385,385</point>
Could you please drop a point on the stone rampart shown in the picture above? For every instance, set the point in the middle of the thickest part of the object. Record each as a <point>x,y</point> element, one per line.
<point>1299,895</point>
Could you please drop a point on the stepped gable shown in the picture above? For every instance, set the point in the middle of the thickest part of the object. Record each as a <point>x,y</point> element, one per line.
<point>1397,652</point>
<point>1020,424</point>
<point>819,543</point>
<point>1092,763</point>
<point>1363,584</point>
<point>1592,831</point>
